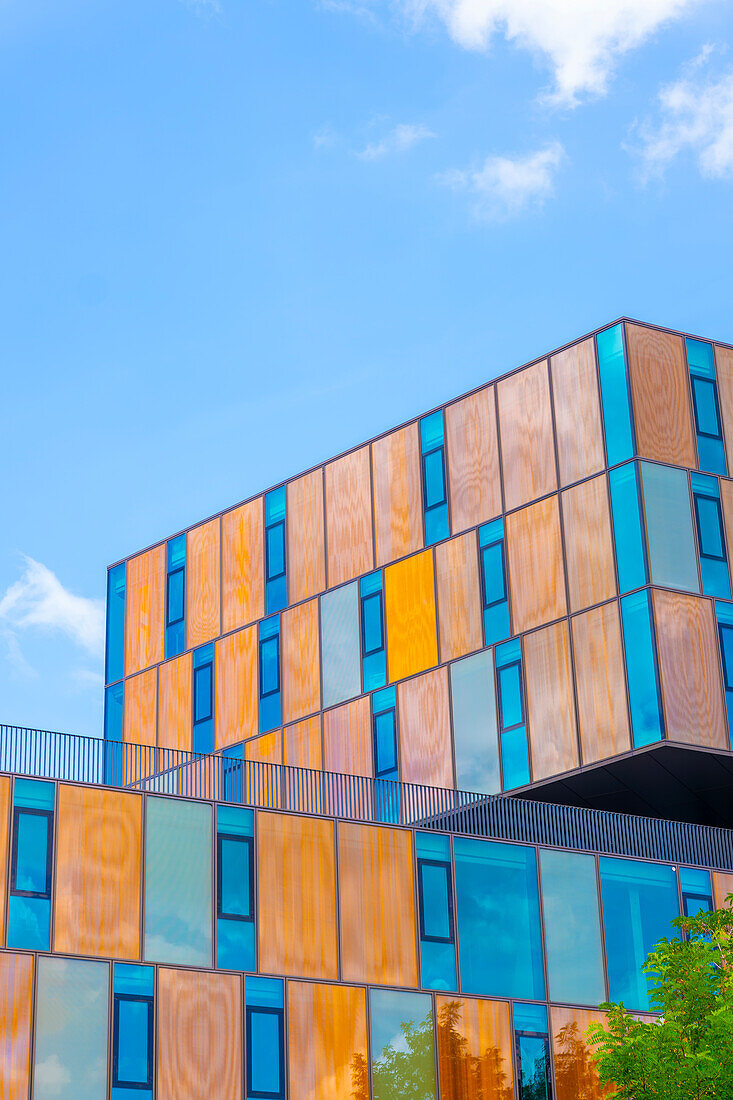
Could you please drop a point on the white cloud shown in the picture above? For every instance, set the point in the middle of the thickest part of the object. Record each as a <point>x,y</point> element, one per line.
<point>504,186</point>
<point>39,600</point>
<point>398,140</point>
<point>52,1076</point>
<point>204,7</point>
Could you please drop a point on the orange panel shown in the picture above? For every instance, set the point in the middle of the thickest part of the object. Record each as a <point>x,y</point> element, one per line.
<point>203,596</point>
<point>306,555</point>
<point>722,887</point>
<point>297,896</point>
<point>459,597</point>
<point>349,517</point>
<point>145,610</point>
<point>243,598</point>
<point>16,1000</point>
<point>575,1071</point>
<point>577,412</point>
<point>525,430</point>
<point>397,494</point>
<point>536,575</point>
<point>376,893</point>
<point>302,744</point>
<point>409,595</point>
<point>550,706</point>
<point>263,784</point>
<point>588,543</point>
<point>474,1049</point>
<point>327,1040</point>
<point>600,683</point>
<point>473,460</point>
<point>199,1018</point>
<point>140,711</point>
<point>301,669</point>
<point>347,738</point>
<point>174,688</point>
<point>692,692</point>
<point>235,682</point>
<point>724,373</point>
<point>726,501</point>
<point>5,797</point>
<point>268,748</point>
<point>98,873</point>
<point>425,741</point>
<point>661,394</point>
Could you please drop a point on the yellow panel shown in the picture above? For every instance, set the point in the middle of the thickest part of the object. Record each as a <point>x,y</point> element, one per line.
<point>588,543</point>
<point>473,460</point>
<point>550,706</point>
<point>5,796</point>
<point>474,1049</point>
<point>577,412</point>
<point>347,738</point>
<point>297,896</point>
<point>306,555</point>
<point>536,575</point>
<point>349,517</point>
<point>409,593</point>
<point>601,684</point>
<point>459,597</point>
<point>661,395</point>
<point>145,610</point>
<point>525,430</point>
<point>302,744</point>
<point>199,1018</point>
<point>263,785</point>
<point>327,1041</point>
<point>724,372</point>
<point>722,887</point>
<point>301,673</point>
<point>424,725</point>
<point>203,599</point>
<point>397,494</point>
<point>235,682</point>
<point>376,893</point>
<point>243,598</point>
<point>575,1072</point>
<point>98,873</point>
<point>175,723</point>
<point>692,692</point>
<point>140,710</point>
<point>16,1002</point>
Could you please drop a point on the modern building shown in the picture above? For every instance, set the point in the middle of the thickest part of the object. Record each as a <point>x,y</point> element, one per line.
<point>407,762</point>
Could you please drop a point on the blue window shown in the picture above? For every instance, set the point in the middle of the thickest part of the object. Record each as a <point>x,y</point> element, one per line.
<point>132,1032</point>
<point>628,527</point>
<point>114,662</point>
<point>697,891</point>
<point>710,536</point>
<point>710,447</point>
<point>512,725</point>
<point>384,726</point>
<point>475,732</point>
<point>175,596</point>
<point>494,587</point>
<point>113,733</point>
<point>203,699</point>
<point>235,893</point>
<point>572,927</point>
<point>269,634</point>
<point>373,659</point>
<point>276,587</point>
<point>435,906</point>
<point>532,1044</point>
<point>231,774</point>
<point>724,614</point>
<point>435,496</point>
<point>265,1039</point>
<point>615,400</point>
<point>31,868</point>
<point>641,670</point>
<point>669,527</point>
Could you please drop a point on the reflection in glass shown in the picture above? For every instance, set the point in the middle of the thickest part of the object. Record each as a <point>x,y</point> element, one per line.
<point>71,1029</point>
<point>669,527</point>
<point>473,700</point>
<point>576,1077</point>
<point>403,1058</point>
<point>572,927</point>
<point>340,645</point>
<point>474,1053</point>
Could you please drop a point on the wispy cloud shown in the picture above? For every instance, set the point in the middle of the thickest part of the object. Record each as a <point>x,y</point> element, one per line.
<point>206,8</point>
<point>398,140</point>
<point>39,601</point>
<point>504,187</point>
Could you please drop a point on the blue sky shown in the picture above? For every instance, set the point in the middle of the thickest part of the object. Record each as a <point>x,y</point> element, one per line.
<point>239,237</point>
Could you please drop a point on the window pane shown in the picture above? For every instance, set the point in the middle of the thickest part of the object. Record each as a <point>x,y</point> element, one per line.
<point>434,895</point>
<point>646,718</point>
<point>202,693</point>
<point>372,622</point>
<point>434,479</point>
<point>403,1060</point>
<point>269,665</point>
<point>265,1052</point>
<point>30,873</point>
<point>275,551</point>
<point>474,724</point>
<point>706,409</point>
<point>533,1069</point>
<point>132,1042</point>
<point>176,590</point>
<point>385,742</point>
<point>510,696</point>
<point>726,643</point>
<point>235,876</point>
<point>627,528</point>
<point>572,928</point>
<point>615,395</point>
<point>71,1029</point>
<point>711,527</point>
<point>494,579</point>
<point>115,650</point>
<point>669,527</point>
<point>515,758</point>
<point>341,658</point>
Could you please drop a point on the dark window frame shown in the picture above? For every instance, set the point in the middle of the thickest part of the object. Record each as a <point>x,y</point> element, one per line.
<point>271,527</point>
<point>484,594</point>
<point>257,1094</point>
<point>378,595</point>
<point>210,715</point>
<point>35,812</point>
<point>424,862</point>
<point>385,771</point>
<point>696,496</point>
<point>261,643</point>
<point>169,575</point>
<point>694,378</point>
<point>687,895</point>
<point>239,839</point>
<point>544,1036</point>
<point>116,1082</point>
<point>522,702</point>
<point>726,683</point>
<point>440,449</point>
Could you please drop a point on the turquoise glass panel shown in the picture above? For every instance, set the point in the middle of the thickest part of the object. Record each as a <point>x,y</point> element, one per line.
<point>235,939</point>
<point>628,533</point>
<point>431,431</point>
<point>235,820</point>
<point>402,1045</point>
<point>36,794</point>
<point>385,737</point>
<point>29,923</point>
<point>434,479</point>
<point>473,700</point>
<point>529,1017</point>
<point>515,758</point>
<point>175,553</point>
<point>371,583</point>
<point>510,695</point>
<point>265,992</point>
<point>641,670</point>
<point>374,671</point>
<point>138,981</point>
<point>615,395</point>
<point>710,536</point>
<point>572,927</point>
<point>33,839</point>
<point>672,556</point>
<point>132,1041</point>
<point>265,1038</point>
<point>113,716</point>
<point>436,524</point>
<point>371,610</point>
<point>275,505</point>
<point>724,615</point>
<point>115,647</point>
<point>340,644</point>
<point>269,645</point>
<point>235,944</point>
<point>437,959</point>
<point>72,1011</point>
<point>700,358</point>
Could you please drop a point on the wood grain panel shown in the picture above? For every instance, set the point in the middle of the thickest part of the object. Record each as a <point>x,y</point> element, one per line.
<point>141,706</point>
<point>424,729</point>
<point>302,744</point>
<point>175,730</point>
<point>577,412</point>
<point>5,799</point>
<point>588,543</point>
<point>460,620</point>
<point>327,1037</point>
<point>692,692</point>
<point>243,589</point>
<point>263,785</point>
<point>525,431</point>
<point>661,396</point>
<point>536,574</point>
<point>203,587</point>
<point>409,596</point>
<point>472,448</point>
<point>301,666</point>
<point>550,705</point>
<point>376,893</point>
<point>297,896</point>
<point>726,503</point>
<point>600,684</point>
<point>99,837</point>
<point>145,610</point>
<point>575,1071</point>
<point>397,494</point>
<point>268,748</point>
<point>199,1047</point>
<point>722,887</point>
<point>349,517</point>
<point>235,684</point>
<point>724,375</point>
<point>306,552</point>
<point>474,1049</point>
<point>16,1003</point>
<point>347,738</point>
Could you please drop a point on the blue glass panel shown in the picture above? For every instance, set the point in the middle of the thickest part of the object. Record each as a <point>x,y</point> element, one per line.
<point>264,1045</point>
<point>235,944</point>
<point>385,743</point>
<point>133,1056</point>
<point>672,557</point>
<point>176,584</point>
<point>340,645</point>
<point>275,551</point>
<point>115,648</point>
<point>496,623</point>
<point>615,395</point>
<point>33,835</point>
<point>707,420</point>
<point>627,528</point>
<point>434,479</point>
<point>175,553</point>
<point>491,532</point>
<point>134,979</point>
<point>371,611</point>
<point>711,454</point>
<point>275,505</point>
<point>529,1017</point>
<point>270,713</point>
<point>72,1013</point>
<point>269,665</point>
<point>265,992</point>
<point>431,431</point>
<point>434,886</point>
<point>269,627</point>
<point>204,655</point>
<point>203,737</point>
<point>515,758</point>
<point>492,561</point>
<point>402,1045</point>
<point>511,707</point>
<point>534,1069</point>
<point>175,639</point>
<point>202,693</point>
<point>234,876</point>
<point>374,671</point>
<point>436,524</point>
<point>509,652</point>
<point>695,880</point>
<point>700,358</point>
<point>231,769</point>
<point>438,965</point>
<point>572,927</point>
<point>711,537</point>
<point>371,583</point>
<point>433,846</point>
<point>276,595</point>
<point>35,794</point>
<point>388,800</point>
<point>641,670</point>
<point>235,820</point>
<point>29,923</point>
<point>113,717</point>
<point>724,613</point>
<point>473,701</point>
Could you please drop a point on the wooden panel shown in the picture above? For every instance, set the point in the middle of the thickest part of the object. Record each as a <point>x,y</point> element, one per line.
<point>525,431</point>
<point>140,710</point>
<point>397,494</point>
<point>722,887</point>
<point>409,596</point>
<point>327,1041</point>
<point>575,1071</point>
<point>588,543</point>
<point>16,1000</point>
<point>5,799</point>
<point>724,374</point>
<point>203,597</point>
<point>726,502</point>
<point>199,1046</point>
<point>473,460</point>
<point>297,896</point>
<point>661,396</point>
<point>424,725</point>
<point>459,597</point>
<point>175,729</point>
<point>349,517</point>
<point>600,684</point>
<point>347,738</point>
<point>302,744</point>
<point>550,706</point>
<point>577,412</point>
<point>536,575</point>
<point>687,643</point>
<point>306,553</point>
<point>145,610</point>
<point>301,666</point>
<point>243,598</point>
<point>235,682</point>
<point>263,785</point>
<point>377,905</point>
<point>98,873</point>
<point>474,1049</point>
<point>268,748</point>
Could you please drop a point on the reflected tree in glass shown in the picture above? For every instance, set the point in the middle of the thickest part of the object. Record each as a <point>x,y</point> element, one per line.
<point>463,1074</point>
<point>576,1076</point>
<point>409,1073</point>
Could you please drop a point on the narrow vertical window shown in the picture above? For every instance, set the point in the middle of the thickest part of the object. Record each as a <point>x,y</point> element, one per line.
<point>435,497</point>
<point>512,725</point>
<point>132,1032</point>
<point>31,868</point>
<point>435,897</point>
<point>615,398</point>
<point>235,910</point>
<point>373,658</point>
<point>710,536</point>
<point>641,670</point>
<point>114,658</point>
<point>231,774</point>
<point>494,587</point>
<point>628,527</point>
<point>265,1039</point>
<point>276,588</point>
<point>113,733</point>
<point>384,726</point>
<point>532,1042</point>
<point>697,891</point>
<point>203,699</point>
<point>269,634</point>
<point>724,614</point>
<point>175,596</point>
<point>708,429</point>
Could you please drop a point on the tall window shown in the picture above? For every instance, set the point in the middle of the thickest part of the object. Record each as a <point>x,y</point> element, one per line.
<point>235,912</point>
<point>628,527</point>
<point>203,699</point>
<point>512,727</point>
<point>724,614</point>
<point>435,897</point>
<point>617,423</point>
<point>31,869</point>
<point>384,727</point>
<point>175,596</point>
<point>269,637</point>
<point>276,588</point>
<point>494,587</point>
<point>697,892</point>
<point>710,536</point>
<point>373,657</point>
<point>641,670</point>
<point>265,1039</point>
<point>710,446</point>
<point>132,1032</point>
<point>115,648</point>
<point>533,1052</point>
<point>435,495</point>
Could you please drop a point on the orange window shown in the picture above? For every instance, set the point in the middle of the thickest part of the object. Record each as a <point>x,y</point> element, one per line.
<point>397,494</point>
<point>145,617</point>
<point>349,517</point>
<point>327,1041</point>
<point>302,744</point>
<point>243,598</point>
<point>5,796</point>
<point>203,600</point>
<point>141,717</point>
<point>347,738</point>
<point>409,590</point>
<point>306,554</point>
